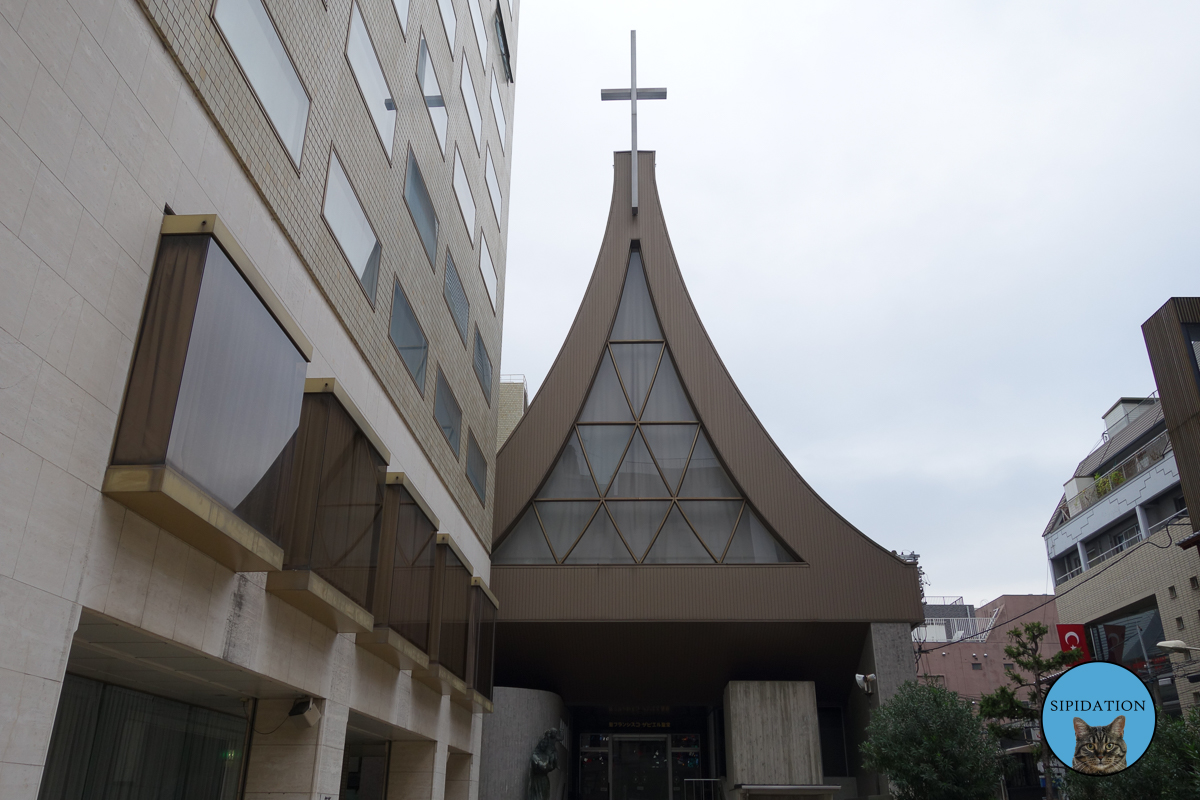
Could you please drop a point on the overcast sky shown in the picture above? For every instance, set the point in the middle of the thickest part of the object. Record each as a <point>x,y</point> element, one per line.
<point>923,237</point>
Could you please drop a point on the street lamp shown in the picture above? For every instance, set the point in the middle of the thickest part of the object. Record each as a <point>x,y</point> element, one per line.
<point>1177,646</point>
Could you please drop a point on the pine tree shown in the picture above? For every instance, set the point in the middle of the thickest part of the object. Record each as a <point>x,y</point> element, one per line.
<point>1034,673</point>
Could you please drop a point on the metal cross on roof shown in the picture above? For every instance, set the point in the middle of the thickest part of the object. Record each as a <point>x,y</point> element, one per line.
<point>633,94</point>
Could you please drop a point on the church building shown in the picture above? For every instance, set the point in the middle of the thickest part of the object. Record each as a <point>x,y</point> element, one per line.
<point>674,597</point>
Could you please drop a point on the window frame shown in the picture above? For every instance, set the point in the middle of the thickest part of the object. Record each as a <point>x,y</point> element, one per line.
<point>403,22</point>
<point>442,18</point>
<point>487,390</point>
<point>494,301</point>
<point>463,334</point>
<point>437,225</point>
<point>470,226</point>
<point>333,153</point>
<point>387,151</point>
<point>212,15</point>
<point>479,25</point>
<point>421,91</point>
<point>476,131</point>
<point>440,382</point>
<point>397,286</point>
<point>489,169</point>
<point>472,441</point>
<point>493,98</point>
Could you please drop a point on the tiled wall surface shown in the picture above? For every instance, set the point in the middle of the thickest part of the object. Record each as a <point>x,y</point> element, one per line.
<point>1149,570</point>
<point>98,130</point>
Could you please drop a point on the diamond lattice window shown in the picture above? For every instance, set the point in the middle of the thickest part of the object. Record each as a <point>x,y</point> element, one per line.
<point>638,479</point>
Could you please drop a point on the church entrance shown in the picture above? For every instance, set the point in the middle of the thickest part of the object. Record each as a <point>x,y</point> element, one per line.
<point>640,768</point>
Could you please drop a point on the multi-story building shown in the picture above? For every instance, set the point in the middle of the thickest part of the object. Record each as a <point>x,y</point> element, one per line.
<point>1111,544</point>
<point>252,259</point>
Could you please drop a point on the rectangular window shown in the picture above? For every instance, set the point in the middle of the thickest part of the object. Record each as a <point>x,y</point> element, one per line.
<point>447,413</point>
<point>462,190</point>
<point>402,14</point>
<point>432,90</point>
<point>1171,592</point>
<point>259,51</point>
<point>502,43</point>
<point>488,270</point>
<point>498,113</point>
<point>467,85</point>
<point>364,63</point>
<point>420,207</point>
<point>476,468</point>
<point>449,21</point>
<point>408,337</point>
<point>348,222</point>
<point>493,184</point>
<point>480,29</point>
<point>977,665</point>
<point>483,366</point>
<point>1179,623</point>
<point>456,298</point>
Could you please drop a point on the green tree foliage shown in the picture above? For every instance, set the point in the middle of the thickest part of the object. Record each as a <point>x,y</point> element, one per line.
<point>1169,769</point>
<point>1008,710</point>
<point>932,747</point>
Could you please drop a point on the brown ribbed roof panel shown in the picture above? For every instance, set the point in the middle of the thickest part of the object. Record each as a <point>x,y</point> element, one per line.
<point>845,575</point>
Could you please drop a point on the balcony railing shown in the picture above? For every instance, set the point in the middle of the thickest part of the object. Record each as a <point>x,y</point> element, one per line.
<point>1146,456</point>
<point>1125,540</point>
<point>1179,524</point>
<point>1066,576</point>
<point>955,629</point>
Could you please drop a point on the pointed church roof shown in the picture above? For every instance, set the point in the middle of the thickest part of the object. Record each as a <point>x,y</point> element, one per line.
<point>625,434</point>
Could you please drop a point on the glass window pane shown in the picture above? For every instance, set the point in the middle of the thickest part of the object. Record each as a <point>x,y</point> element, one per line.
<point>636,364</point>
<point>447,413</point>
<point>483,366</point>
<point>420,206</point>
<point>600,544</point>
<point>72,740</point>
<point>480,30</point>
<point>402,13</point>
<point>638,521</point>
<point>456,298</point>
<point>462,191</point>
<point>563,522</point>
<point>676,544</point>
<point>638,477</point>
<point>753,544</point>
<point>488,270</point>
<point>667,402</point>
<point>467,85</point>
<point>239,397</point>
<point>525,545</point>
<point>570,476</point>
<point>498,112</point>
<point>606,400</point>
<point>493,184</point>
<point>409,339</point>
<point>713,521</point>
<point>635,316</point>
<point>670,445</point>
<point>604,445</point>
<point>476,468</point>
<point>412,569</point>
<point>705,476</point>
<point>350,226</point>
<point>431,88</point>
<point>449,21</point>
<point>259,51</point>
<point>364,63</point>
<point>456,614</point>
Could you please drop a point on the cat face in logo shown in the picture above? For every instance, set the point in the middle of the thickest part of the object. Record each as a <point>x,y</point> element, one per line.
<point>1100,749</point>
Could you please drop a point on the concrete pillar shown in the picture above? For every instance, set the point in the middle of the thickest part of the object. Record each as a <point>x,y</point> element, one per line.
<point>1143,520</point>
<point>1083,559</point>
<point>36,630</point>
<point>289,760</point>
<point>887,653</point>
<point>511,733</point>
<point>412,771</point>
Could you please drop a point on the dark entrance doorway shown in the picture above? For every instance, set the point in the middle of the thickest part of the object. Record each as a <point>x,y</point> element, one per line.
<point>641,768</point>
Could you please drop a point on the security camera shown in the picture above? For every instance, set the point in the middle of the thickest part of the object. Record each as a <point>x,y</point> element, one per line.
<point>866,683</point>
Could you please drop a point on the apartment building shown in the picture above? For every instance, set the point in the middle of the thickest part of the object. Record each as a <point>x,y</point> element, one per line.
<point>252,259</point>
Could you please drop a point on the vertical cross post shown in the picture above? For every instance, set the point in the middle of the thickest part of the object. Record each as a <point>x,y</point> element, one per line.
<point>633,94</point>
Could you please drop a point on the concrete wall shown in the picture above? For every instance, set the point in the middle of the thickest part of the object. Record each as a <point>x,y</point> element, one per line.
<point>771,733</point>
<point>887,653</point>
<point>509,735</point>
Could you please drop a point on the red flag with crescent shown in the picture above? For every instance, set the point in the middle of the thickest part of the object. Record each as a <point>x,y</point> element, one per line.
<point>1071,637</point>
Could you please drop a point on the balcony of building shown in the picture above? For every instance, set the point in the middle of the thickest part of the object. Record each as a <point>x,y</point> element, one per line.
<point>1110,543</point>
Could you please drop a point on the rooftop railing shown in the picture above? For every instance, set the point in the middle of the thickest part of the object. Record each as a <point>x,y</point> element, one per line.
<point>955,629</point>
<point>1146,456</point>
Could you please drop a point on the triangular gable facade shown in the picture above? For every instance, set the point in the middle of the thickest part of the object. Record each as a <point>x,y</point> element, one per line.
<point>640,460</point>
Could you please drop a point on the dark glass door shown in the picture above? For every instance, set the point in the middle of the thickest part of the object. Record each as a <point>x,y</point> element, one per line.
<point>640,768</point>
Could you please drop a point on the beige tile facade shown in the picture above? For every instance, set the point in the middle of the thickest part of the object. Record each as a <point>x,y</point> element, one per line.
<point>1152,569</point>
<point>110,110</point>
